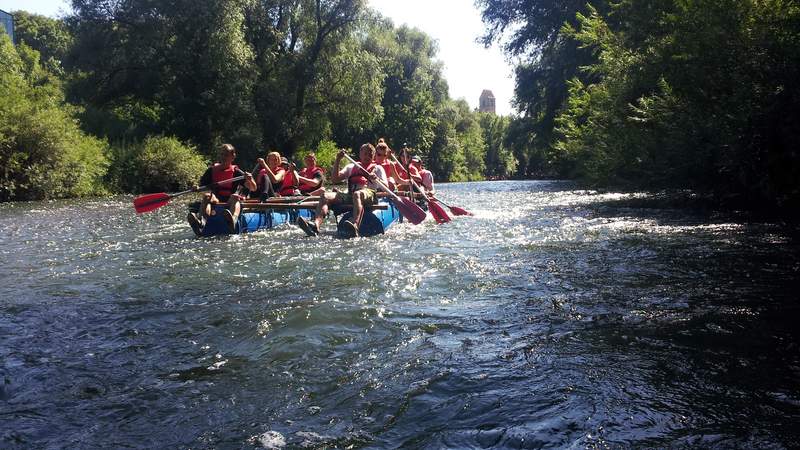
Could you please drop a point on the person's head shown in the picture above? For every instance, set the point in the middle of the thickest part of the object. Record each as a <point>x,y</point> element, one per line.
<point>273,160</point>
<point>366,153</point>
<point>382,152</point>
<point>284,162</point>
<point>310,160</point>
<point>417,162</point>
<point>227,153</point>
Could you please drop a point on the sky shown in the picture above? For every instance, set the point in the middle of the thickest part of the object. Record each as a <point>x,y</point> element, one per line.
<point>469,68</point>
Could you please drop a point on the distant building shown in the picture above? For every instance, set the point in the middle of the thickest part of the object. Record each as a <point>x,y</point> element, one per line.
<point>7,23</point>
<point>486,103</point>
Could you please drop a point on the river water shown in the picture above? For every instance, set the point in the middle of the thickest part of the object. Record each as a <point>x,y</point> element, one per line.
<point>554,317</point>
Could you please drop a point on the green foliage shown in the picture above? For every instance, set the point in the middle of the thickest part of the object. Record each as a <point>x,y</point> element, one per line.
<point>689,93</point>
<point>326,154</point>
<point>50,37</point>
<point>164,164</point>
<point>156,164</point>
<point>500,161</point>
<point>458,151</point>
<point>43,154</point>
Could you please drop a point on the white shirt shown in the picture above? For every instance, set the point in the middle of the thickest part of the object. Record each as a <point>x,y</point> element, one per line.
<point>427,179</point>
<point>377,171</point>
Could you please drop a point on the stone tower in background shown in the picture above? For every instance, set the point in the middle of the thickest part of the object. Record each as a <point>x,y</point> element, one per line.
<point>486,102</point>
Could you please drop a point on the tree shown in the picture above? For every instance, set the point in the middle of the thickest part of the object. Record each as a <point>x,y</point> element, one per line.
<point>43,154</point>
<point>500,161</point>
<point>50,37</point>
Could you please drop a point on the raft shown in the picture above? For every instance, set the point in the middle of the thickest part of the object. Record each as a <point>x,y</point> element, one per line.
<point>285,210</point>
<point>251,220</point>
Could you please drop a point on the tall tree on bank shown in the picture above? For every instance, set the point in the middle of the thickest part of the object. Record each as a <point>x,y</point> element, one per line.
<point>50,37</point>
<point>43,153</point>
<point>550,58</point>
<point>690,93</point>
<point>255,73</point>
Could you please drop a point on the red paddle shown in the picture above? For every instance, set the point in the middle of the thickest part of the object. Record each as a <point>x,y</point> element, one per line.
<point>149,202</point>
<point>438,213</point>
<point>456,210</point>
<point>406,206</point>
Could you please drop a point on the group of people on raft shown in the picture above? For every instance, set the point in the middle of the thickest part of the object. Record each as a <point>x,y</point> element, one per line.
<point>376,169</point>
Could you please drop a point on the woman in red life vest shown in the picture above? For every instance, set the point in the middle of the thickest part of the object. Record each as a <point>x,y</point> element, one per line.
<point>383,156</point>
<point>405,160</point>
<point>361,183</point>
<point>291,182</point>
<point>222,191</point>
<point>311,177</point>
<point>270,176</point>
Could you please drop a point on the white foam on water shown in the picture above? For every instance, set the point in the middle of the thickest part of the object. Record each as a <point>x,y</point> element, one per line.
<point>271,440</point>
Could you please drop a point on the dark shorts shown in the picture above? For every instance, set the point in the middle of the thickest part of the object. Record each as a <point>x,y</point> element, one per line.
<point>369,198</point>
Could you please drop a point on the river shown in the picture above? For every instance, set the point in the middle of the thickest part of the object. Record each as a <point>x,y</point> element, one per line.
<point>553,317</point>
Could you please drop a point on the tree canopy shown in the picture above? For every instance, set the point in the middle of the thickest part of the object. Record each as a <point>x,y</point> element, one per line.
<point>698,94</point>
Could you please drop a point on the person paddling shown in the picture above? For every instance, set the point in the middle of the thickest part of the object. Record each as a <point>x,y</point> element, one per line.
<point>311,177</point>
<point>413,173</point>
<point>425,175</point>
<point>271,174</point>
<point>222,191</point>
<point>361,185</point>
<point>383,156</point>
<point>291,182</point>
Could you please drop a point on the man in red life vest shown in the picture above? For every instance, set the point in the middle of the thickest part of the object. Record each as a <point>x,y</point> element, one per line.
<point>311,177</point>
<point>222,191</point>
<point>426,175</point>
<point>361,186</point>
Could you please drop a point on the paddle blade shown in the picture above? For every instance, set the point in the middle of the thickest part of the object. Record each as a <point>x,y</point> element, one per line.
<point>459,211</point>
<point>410,210</point>
<point>149,202</point>
<point>438,213</point>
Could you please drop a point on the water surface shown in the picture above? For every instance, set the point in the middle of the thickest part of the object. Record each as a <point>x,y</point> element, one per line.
<point>552,318</point>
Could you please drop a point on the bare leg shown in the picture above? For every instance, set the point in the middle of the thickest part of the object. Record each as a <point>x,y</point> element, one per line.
<point>205,204</point>
<point>235,206</point>
<point>322,207</point>
<point>358,207</point>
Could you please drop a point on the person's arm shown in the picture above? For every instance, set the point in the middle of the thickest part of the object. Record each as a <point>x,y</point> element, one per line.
<point>277,176</point>
<point>206,178</point>
<point>402,175</point>
<point>339,175</point>
<point>248,180</point>
<point>316,182</point>
<point>413,172</point>
<point>379,174</point>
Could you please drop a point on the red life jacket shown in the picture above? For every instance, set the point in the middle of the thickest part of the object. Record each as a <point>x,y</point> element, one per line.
<point>219,174</point>
<point>387,167</point>
<point>288,183</point>
<point>357,178</point>
<point>310,173</point>
<point>401,172</point>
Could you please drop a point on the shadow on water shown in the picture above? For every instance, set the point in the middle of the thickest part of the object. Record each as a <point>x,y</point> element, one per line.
<point>554,317</point>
